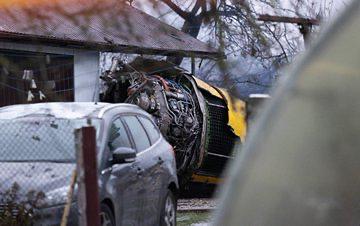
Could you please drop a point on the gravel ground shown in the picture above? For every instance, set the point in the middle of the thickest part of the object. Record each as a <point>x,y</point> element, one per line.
<point>196,204</point>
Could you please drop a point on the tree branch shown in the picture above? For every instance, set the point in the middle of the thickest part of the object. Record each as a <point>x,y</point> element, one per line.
<point>183,14</point>
<point>196,7</point>
<point>285,19</point>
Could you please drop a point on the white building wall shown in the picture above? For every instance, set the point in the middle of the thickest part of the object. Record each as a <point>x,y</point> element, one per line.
<point>86,67</point>
<point>86,72</point>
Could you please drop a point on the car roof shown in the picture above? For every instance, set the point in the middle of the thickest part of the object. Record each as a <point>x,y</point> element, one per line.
<point>65,110</point>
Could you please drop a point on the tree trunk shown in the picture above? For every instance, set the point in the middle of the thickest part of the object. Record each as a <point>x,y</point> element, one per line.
<point>192,27</point>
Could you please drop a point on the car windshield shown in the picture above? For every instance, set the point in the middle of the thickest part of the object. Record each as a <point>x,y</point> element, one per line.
<point>40,139</point>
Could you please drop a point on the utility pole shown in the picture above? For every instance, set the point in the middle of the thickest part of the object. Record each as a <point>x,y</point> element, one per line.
<point>305,24</point>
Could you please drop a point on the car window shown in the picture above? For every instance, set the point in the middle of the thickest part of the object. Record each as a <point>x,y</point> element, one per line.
<point>137,131</point>
<point>151,129</point>
<point>118,136</point>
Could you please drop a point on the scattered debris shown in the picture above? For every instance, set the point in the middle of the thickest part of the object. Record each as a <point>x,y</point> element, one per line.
<point>198,120</point>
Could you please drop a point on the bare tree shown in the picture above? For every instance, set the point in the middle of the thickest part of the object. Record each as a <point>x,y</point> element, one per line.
<point>234,26</point>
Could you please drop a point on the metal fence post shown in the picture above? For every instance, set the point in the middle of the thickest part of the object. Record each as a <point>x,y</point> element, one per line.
<point>88,194</point>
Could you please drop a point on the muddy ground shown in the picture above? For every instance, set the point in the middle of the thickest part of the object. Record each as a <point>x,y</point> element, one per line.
<point>194,218</point>
<point>195,212</point>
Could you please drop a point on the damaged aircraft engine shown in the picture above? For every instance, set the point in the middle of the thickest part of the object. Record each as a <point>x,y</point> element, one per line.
<point>193,121</point>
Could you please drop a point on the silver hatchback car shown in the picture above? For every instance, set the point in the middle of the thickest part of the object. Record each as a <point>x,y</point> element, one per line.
<point>138,191</point>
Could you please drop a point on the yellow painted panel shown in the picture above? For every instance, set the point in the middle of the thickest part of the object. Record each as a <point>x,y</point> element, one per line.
<point>208,87</point>
<point>237,114</point>
<point>205,179</point>
<point>236,108</point>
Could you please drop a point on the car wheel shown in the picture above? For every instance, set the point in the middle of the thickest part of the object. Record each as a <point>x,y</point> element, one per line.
<point>106,216</point>
<point>168,214</point>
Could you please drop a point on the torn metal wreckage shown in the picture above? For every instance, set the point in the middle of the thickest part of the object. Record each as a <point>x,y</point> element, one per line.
<point>200,121</point>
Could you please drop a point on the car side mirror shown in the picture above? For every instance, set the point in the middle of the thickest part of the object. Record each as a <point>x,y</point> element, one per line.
<point>123,155</point>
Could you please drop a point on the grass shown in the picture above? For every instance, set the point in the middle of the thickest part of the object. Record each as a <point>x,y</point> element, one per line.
<point>189,218</point>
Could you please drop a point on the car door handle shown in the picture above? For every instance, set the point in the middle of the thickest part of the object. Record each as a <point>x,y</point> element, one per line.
<point>160,161</point>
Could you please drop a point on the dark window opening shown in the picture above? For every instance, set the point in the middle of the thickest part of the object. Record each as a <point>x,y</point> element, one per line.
<point>31,77</point>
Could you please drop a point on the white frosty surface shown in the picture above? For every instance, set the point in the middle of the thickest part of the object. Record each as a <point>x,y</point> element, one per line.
<point>196,204</point>
<point>59,110</point>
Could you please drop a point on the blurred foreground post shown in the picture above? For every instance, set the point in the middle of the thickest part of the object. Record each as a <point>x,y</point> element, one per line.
<point>88,195</point>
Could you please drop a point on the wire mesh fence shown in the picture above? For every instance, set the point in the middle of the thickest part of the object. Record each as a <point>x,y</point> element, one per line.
<point>38,164</point>
<point>31,77</point>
